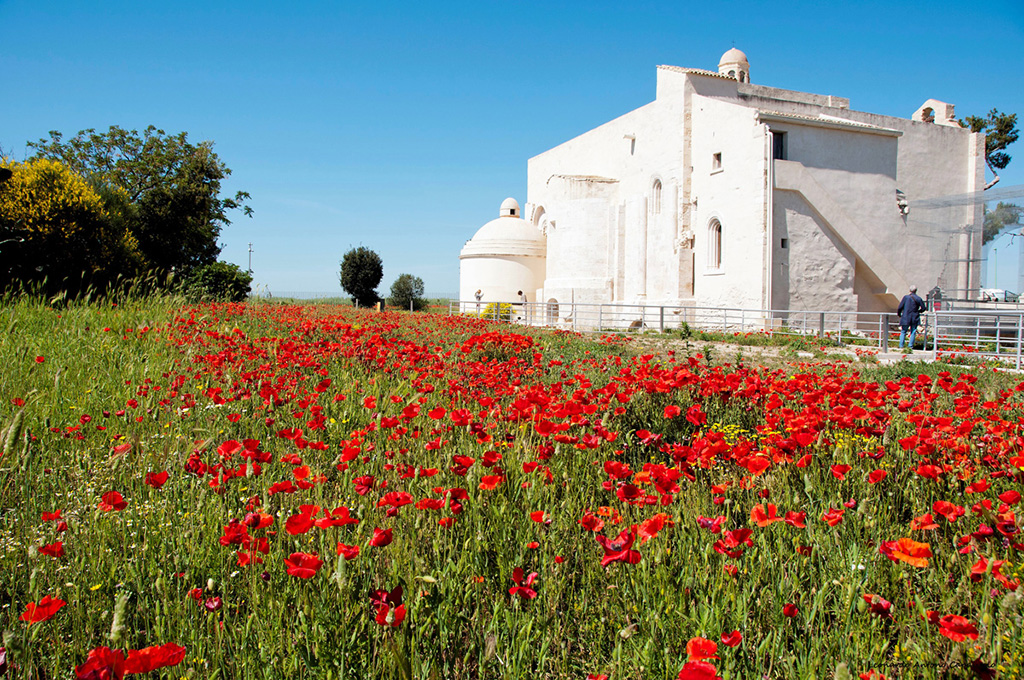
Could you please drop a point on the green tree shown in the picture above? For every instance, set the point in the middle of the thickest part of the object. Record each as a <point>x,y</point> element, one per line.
<point>407,292</point>
<point>1000,131</point>
<point>361,272</point>
<point>1004,215</point>
<point>161,188</point>
<point>218,282</point>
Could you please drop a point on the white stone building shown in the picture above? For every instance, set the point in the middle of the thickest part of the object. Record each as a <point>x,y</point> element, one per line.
<point>725,193</point>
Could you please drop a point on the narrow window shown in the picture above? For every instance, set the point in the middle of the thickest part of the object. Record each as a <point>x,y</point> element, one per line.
<point>779,145</point>
<point>785,243</point>
<point>715,245</point>
<point>716,162</point>
<point>656,197</point>
<point>732,74</point>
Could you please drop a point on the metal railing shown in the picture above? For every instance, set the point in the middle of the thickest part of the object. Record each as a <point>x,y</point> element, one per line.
<point>977,332</point>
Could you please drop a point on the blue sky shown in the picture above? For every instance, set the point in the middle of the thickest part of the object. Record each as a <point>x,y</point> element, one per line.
<point>401,126</point>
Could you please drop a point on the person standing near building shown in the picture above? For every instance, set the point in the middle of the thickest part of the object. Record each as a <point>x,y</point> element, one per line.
<point>910,310</point>
<point>522,303</point>
<point>479,295</point>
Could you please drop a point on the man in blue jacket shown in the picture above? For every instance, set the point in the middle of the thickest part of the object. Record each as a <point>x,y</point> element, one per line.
<point>910,310</point>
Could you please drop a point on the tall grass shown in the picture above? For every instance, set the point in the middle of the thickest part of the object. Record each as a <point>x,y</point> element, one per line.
<point>95,395</point>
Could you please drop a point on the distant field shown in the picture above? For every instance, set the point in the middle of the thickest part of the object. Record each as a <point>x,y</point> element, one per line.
<point>282,491</point>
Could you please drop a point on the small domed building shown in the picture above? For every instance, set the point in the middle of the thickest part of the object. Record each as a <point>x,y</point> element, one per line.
<point>505,256</point>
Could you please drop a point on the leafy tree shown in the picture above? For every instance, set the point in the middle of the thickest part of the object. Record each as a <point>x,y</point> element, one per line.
<point>161,188</point>
<point>218,282</point>
<point>1005,215</point>
<point>361,272</point>
<point>1000,131</point>
<point>54,226</point>
<point>407,292</point>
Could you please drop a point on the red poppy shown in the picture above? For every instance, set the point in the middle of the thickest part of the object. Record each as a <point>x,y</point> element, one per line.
<point>156,479</point>
<point>618,549</point>
<point>878,605</point>
<point>1010,497</point>
<point>906,550</point>
<point>876,476</point>
<point>790,610</point>
<point>650,528</point>
<point>102,663</point>
<point>732,639</point>
<point>796,519</point>
<point>390,610</point>
<point>53,549</point>
<point>303,565</point>
<point>923,523</point>
<point>150,659</point>
<point>695,416</point>
<point>762,515</point>
<point>390,616</point>
<point>213,604</point>
<point>364,484</point>
<point>335,518</point>
<point>523,588</point>
<point>699,670</point>
<point>839,471</point>
<point>112,500</point>
<point>302,522</point>
<point>833,516</point>
<point>349,552</point>
<point>672,411</point>
<point>957,628</point>
<point>948,510</point>
<point>381,537</point>
<point>733,543</point>
<point>699,649</point>
<point>44,610</point>
<point>591,522</point>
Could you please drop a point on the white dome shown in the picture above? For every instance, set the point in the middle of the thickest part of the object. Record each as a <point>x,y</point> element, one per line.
<point>509,208</point>
<point>733,56</point>
<point>506,236</point>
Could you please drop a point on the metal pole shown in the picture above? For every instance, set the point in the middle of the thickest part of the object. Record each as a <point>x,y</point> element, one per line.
<point>1020,332</point>
<point>821,326</point>
<point>883,323</point>
<point>600,318</point>
<point>935,337</point>
<point>661,321</point>
<point>999,339</point>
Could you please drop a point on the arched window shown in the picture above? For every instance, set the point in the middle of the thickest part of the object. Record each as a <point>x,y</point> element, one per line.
<point>743,77</point>
<point>656,197</point>
<point>715,245</point>
<point>732,74</point>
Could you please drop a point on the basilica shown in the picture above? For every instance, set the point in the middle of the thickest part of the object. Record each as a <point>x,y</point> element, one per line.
<point>726,193</point>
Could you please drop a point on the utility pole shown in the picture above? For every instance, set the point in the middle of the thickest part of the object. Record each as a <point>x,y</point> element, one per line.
<point>250,257</point>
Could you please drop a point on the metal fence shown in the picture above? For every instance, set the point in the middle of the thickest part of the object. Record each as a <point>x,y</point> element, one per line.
<point>987,333</point>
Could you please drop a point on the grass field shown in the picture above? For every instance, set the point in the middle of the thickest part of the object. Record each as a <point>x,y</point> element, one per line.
<point>276,491</point>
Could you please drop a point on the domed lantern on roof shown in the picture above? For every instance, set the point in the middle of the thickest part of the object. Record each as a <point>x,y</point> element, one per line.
<point>505,256</point>
<point>734,64</point>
